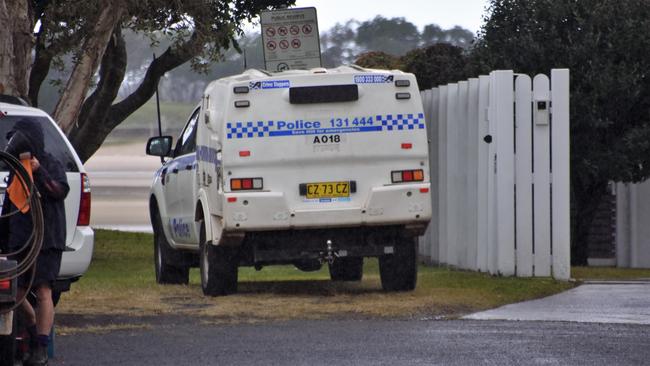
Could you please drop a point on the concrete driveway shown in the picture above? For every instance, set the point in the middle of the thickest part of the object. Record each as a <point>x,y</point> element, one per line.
<point>623,302</point>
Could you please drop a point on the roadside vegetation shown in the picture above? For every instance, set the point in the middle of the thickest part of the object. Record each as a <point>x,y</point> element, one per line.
<point>121,281</point>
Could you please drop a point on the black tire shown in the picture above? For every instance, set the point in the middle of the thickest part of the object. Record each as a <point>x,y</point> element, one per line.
<point>8,346</point>
<point>219,268</point>
<point>399,271</point>
<point>170,264</point>
<point>347,269</point>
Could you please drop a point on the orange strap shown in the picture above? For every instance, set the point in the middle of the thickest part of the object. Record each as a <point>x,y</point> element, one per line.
<point>18,191</point>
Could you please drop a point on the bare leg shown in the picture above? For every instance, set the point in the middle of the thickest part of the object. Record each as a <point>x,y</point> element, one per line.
<point>45,310</point>
<point>28,310</point>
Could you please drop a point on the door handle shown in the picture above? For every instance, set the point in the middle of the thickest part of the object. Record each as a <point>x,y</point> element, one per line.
<point>175,171</point>
<point>189,167</point>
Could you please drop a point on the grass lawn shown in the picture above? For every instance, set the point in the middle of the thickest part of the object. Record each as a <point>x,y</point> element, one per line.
<point>121,281</point>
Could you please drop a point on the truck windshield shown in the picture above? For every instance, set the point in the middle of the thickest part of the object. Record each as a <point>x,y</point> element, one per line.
<point>54,143</point>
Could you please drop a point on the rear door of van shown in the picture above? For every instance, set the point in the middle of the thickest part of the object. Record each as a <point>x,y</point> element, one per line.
<point>325,141</point>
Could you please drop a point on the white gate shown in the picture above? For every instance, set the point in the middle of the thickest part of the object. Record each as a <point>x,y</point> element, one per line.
<point>502,206</point>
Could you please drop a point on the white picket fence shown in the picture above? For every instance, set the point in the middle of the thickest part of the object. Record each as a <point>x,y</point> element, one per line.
<point>500,207</point>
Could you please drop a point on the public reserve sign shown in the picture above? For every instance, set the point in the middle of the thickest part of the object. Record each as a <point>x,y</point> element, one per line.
<point>290,38</point>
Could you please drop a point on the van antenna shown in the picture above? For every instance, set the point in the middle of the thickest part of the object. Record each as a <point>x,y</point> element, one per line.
<point>162,160</point>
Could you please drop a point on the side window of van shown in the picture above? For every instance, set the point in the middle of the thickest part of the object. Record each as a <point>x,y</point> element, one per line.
<point>187,142</point>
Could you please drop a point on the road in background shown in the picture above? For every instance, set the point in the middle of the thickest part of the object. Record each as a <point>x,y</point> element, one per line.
<point>120,177</point>
<point>166,340</point>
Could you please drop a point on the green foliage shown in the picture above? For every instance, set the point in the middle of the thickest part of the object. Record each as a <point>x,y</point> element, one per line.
<point>378,60</point>
<point>381,33</point>
<point>457,36</point>
<point>605,44</point>
<point>435,65</point>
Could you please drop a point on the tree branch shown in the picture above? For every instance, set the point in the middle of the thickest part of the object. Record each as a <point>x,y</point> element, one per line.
<point>40,68</point>
<point>95,110</point>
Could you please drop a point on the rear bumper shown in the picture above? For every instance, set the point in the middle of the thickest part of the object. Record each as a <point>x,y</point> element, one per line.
<point>78,254</point>
<point>387,205</point>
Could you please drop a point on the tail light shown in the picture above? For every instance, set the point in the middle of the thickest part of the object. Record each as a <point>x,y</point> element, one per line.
<point>245,184</point>
<point>84,204</point>
<point>404,176</point>
<point>5,285</point>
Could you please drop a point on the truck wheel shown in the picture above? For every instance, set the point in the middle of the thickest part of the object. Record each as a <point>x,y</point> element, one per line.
<point>219,268</point>
<point>347,269</point>
<point>169,263</point>
<point>399,271</point>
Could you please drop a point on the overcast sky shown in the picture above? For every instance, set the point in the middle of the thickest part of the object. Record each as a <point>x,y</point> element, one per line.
<point>445,13</point>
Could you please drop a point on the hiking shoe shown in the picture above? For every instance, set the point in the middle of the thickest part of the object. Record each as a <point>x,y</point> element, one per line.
<point>38,357</point>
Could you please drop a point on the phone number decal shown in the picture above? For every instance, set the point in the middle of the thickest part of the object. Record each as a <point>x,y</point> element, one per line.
<point>335,125</point>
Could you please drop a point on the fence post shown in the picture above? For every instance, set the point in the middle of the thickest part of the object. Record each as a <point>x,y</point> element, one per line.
<point>542,179</point>
<point>623,225</point>
<point>561,174</point>
<point>453,175</point>
<point>434,174</point>
<point>425,242</point>
<point>472,174</point>
<point>483,174</point>
<point>524,181</point>
<point>505,171</point>
<point>462,202</point>
<point>443,240</point>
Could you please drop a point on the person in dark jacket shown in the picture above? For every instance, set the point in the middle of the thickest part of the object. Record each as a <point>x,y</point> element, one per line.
<point>52,185</point>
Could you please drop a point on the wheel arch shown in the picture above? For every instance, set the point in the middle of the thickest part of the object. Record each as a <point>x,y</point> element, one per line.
<point>202,213</point>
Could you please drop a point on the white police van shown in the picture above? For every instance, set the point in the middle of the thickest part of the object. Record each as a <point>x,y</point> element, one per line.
<point>299,167</point>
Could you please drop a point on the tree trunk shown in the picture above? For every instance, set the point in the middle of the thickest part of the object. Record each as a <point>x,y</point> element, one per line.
<point>16,41</point>
<point>72,98</point>
<point>7,80</point>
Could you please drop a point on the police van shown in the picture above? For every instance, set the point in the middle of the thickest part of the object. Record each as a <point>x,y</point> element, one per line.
<point>303,167</point>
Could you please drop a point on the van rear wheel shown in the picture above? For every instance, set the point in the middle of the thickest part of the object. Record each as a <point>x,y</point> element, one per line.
<point>169,264</point>
<point>219,268</point>
<point>347,269</point>
<point>399,271</point>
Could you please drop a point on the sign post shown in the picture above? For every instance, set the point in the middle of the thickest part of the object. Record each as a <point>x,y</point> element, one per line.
<point>290,39</point>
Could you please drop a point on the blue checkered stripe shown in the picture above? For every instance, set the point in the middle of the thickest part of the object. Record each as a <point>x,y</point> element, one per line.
<point>409,121</point>
<point>249,129</point>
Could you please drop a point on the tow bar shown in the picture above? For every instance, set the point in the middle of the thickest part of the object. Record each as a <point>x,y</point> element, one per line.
<point>330,255</point>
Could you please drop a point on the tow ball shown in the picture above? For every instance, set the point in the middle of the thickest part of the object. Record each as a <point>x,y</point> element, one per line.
<point>330,255</point>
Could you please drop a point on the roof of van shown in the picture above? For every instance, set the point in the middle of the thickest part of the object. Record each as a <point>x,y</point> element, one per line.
<point>255,74</point>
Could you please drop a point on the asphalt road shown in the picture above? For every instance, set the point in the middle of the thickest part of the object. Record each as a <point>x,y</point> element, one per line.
<point>177,341</point>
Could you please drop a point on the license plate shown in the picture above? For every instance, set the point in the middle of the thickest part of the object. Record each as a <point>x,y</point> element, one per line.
<point>328,190</point>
